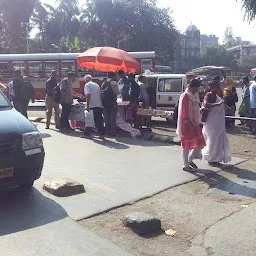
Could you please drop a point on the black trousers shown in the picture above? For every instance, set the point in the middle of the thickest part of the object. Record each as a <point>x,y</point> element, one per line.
<point>21,106</point>
<point>98,120</point>
<point>64,121</point>
<point>110,115</point>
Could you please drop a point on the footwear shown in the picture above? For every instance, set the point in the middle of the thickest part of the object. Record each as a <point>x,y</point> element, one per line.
<point>215,164</point>
<point>187,169</point>
<point>192,165</point>
<point>47,127</point>
<point>84,136</point>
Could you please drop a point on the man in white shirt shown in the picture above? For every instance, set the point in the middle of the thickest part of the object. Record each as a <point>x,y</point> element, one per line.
<point>92,91</point>
<point>143,90</point>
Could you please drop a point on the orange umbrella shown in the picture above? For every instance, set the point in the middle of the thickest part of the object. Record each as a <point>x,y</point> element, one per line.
<point>108,59</point>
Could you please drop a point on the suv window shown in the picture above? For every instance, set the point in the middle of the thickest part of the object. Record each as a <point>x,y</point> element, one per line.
<point>4,102</point>
<point>170,85</point>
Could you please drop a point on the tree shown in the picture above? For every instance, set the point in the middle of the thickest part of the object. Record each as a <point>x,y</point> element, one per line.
<point>229,39</point>
<point>15,16</point>
<point>217,56</point>
<point>146,26</point>
<point>250,9</point>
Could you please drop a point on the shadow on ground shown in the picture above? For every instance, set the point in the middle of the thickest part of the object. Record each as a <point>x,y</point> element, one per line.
<point>23,210</point>
<point>240,186</point>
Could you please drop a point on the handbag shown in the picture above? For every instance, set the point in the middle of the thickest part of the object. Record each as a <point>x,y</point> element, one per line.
<point>89,119</point>
<point>204,114</point>
<point>242,109</point>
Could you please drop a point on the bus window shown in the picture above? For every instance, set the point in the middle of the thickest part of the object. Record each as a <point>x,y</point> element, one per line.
<point>4,69</point>
<point>100,74</point>
<point>50,66</point>
<point>67,66</point>
<point>83,71</point>
<point>146,64</point>
<point>21,65</point>
<point>35,69</point>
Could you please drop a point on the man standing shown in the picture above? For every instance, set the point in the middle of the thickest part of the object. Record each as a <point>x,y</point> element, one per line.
<point>134,94</point>
<point>123,85</point>
<point>109,95</point>
<point>50,101</point>
<point>253,104</point>
<point>29,94</point>
<point>246,98</point>
<point>143,90</point>
<point>66,100</point>
<point>19,99</point>
<point>92,92</point>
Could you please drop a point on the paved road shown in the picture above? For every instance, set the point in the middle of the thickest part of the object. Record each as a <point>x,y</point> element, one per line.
<point>114,173</point>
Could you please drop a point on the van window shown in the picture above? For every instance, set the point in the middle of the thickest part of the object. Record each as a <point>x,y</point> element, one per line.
<point>50,66</point>
<point>4,69</point>
<point>35,69</point>
<point>170,85</point>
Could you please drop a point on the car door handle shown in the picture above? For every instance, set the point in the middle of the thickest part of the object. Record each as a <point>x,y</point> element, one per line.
<point>159,97</point>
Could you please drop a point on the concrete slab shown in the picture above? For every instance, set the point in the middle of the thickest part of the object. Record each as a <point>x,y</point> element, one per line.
<point>31,224</point>
<point>114,173</point>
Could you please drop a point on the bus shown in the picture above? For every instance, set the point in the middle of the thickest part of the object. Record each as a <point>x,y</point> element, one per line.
<point>38,67</point>
<point>159,69</point>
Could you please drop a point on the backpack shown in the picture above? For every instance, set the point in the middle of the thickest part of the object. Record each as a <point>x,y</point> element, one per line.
<point>108,97</point>
<point>56,94</point>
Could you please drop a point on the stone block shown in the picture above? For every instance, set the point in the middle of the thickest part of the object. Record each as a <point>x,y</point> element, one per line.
<point>63,187</point>
<point>142,223</point>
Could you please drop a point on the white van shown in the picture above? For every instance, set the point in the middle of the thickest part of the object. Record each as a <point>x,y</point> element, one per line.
<point>166,89</point>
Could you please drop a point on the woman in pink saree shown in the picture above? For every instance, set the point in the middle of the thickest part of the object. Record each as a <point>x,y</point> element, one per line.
<point>217,148</point>
<point>188,127</point>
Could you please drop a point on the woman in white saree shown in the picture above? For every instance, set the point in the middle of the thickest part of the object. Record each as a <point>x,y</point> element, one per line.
<point>217,148</point>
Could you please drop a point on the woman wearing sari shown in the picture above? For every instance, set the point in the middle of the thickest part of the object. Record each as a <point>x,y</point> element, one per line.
<point>217,148</point>
<point>188,126</point>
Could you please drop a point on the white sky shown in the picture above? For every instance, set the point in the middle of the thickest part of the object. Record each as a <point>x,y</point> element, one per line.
<point>210,16</point>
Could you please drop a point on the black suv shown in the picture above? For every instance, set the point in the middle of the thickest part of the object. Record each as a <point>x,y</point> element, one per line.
<point>21,148</point>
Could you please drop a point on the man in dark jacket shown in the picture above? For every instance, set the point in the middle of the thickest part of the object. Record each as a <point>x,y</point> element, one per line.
<point>20,98</point>
<point>134,94</point>
<point>29,94</point>
<point>50,101</point>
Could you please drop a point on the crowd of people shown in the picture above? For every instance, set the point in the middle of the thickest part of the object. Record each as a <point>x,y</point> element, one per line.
<point>100,101</point>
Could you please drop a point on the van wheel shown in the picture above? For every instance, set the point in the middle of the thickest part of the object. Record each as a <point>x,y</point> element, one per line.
<point>27,185</point>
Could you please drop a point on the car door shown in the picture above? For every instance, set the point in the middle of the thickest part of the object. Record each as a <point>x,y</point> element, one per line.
<point>169,90</point>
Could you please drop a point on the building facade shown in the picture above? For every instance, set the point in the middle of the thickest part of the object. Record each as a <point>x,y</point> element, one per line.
<point>242,51</point>
<point>208,41</point>
<point>188,49</point>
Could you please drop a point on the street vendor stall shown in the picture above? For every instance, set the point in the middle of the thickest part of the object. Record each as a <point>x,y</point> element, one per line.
<point>107,59</point>
<point>77,118</point>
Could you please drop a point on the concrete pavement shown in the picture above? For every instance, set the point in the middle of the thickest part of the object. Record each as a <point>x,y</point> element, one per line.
<point>34,225</point>
<point>114,173</point>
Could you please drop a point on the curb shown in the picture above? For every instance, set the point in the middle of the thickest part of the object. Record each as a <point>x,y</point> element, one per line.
<point>147,136</point>
<point>41,120</point>
<point>161,138</point>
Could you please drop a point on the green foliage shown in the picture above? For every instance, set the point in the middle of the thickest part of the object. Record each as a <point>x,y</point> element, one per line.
<point>217,56</point>
<point>250,9</point>
<point>68,28</point>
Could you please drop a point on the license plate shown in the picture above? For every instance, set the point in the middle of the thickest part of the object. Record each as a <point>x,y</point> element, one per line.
<point>6,173</point>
